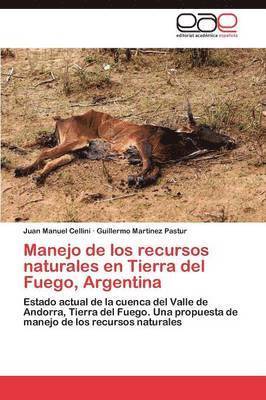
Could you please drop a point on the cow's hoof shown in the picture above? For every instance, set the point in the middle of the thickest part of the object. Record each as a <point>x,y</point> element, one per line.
<point>19,172</point>
<point>38,179</point>
<point>131,180</point>
<point>230,145</point>
<point>140,182</point>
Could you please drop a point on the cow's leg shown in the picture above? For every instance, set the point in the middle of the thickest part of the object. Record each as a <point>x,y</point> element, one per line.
<point>52,165</point>
<point>150,172</point>
<point>55,152</point>
<point>149,178</point>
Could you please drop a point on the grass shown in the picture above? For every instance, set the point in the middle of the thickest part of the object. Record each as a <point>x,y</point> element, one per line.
<point>226,93</point>
<point>88,80</point>
<point>68,180</point>
<point>232,113</point>
<point>26,137</point>
<point>71,213</point>
<point>66,78</point>
<point>220,114</point>
<point>7,53</point>
<point>89,59</point>
<point>5,162</point>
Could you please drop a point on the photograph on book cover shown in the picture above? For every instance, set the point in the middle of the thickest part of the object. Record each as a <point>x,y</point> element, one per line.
<point>135,135</point>
<point>133,193</point>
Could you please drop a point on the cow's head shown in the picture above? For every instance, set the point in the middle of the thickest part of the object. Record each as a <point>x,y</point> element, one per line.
<point>208,136</point>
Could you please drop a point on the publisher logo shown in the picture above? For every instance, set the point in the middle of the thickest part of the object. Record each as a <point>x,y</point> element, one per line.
<point>207,25</point>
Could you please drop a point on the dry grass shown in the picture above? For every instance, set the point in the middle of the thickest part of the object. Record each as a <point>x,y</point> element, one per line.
<point>225,93</point>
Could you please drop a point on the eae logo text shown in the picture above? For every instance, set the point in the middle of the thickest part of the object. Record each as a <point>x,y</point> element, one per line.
<point>207,24</point>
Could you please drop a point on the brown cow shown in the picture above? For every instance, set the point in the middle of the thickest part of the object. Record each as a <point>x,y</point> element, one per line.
<point>154,144</point>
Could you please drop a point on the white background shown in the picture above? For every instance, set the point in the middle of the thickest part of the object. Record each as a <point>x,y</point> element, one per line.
<point>235,277</point>
<point>118,28</point>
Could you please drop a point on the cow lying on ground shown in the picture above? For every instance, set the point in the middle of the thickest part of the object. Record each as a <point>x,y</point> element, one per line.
<point>155,145</point>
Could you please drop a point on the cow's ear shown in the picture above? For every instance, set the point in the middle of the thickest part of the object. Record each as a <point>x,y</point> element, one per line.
<point>191,121</point>
<point>57,118</point>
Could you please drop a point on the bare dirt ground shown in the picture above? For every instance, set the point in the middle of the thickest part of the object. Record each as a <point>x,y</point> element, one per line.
<point>151,88</point>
